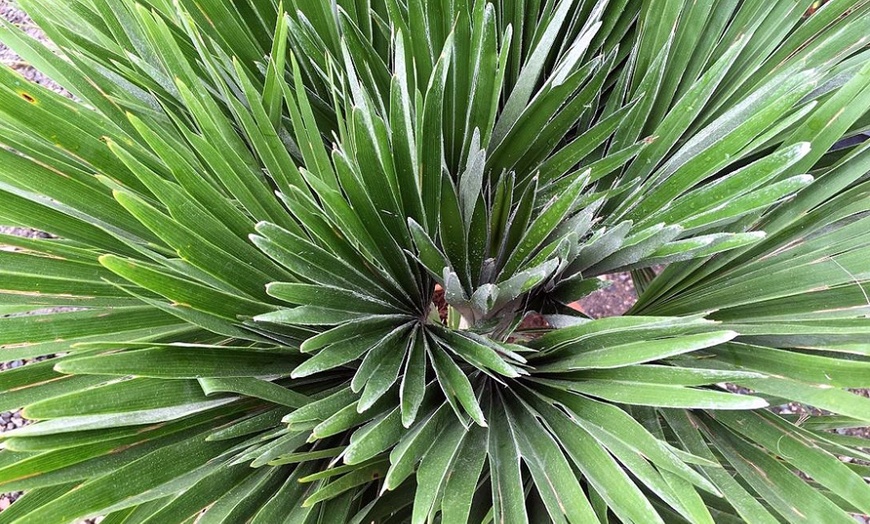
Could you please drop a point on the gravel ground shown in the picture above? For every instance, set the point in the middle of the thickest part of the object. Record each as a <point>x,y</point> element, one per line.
<point>12,14</point>
<point>612,301</point>
<point>615,300</point>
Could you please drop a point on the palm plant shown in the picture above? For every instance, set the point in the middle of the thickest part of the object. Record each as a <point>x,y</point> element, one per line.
<point>252,204</point>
